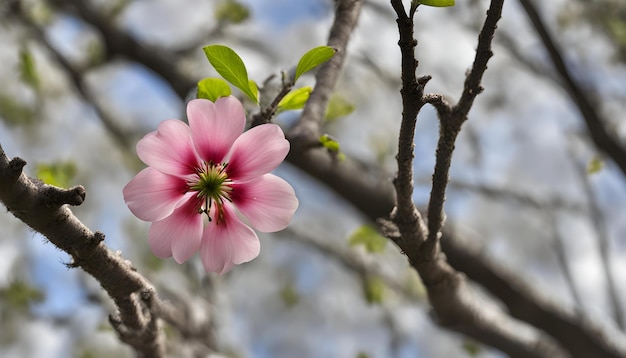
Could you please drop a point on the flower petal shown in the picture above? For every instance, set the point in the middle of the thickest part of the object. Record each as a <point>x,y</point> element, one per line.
<point>256,152</point>
<point>228,243</point>
<point>169,149</point>
<point>268,202</point>
<point>152,195</point>
<point>215,126</point>
<point>179,234</point>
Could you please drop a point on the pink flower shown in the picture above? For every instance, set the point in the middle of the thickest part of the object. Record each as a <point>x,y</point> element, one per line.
<point>202,178</point>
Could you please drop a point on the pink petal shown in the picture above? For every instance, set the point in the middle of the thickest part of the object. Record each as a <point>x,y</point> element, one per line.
<point>169,149</point>
<point>256,152</point>
<point>179,234</point>
<point>152,195</point>
<point>215,126</point>
<point>228,243</point>
<point>268,202</point>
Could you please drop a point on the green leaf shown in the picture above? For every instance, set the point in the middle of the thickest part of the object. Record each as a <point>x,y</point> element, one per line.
<point>338,107</point>
<point>414,285</point>
<point>230,66</point>
<point>14,113</point>
<point>289,295</point>
<point>437,3</point>
<point>329,143</point>
<point>58,174</point>
<point>295,99</point>
<point>19,295</point>
<point>374,290</point>
<point>28,72</point>
<point>254,89</point>
<point>472,348</point>
<point>369,238</point>
<point>212,89</point>
<point>595,165</point>
<point>232,11</point>
<point>312,59</point>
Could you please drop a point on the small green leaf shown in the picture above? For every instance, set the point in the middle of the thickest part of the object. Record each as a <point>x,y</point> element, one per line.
<point>28,72</point>
<point>369,238</point>
<point>212,89</point>
<point>19,295</point>
<point>374,290</point>
<point>58,174</point>
<point>254,89</point>
<point>472,348</point>
<point>312,59</point>
<point>338,107</point>
<point>595,165</point>
<point>329,143</point>
<point>230,66</point>
<point>295,99</point>
<point>414,285</point>
<point>437,3</point>
<point>232,11</point>
<point>289,295</point>
<point>13,112</point>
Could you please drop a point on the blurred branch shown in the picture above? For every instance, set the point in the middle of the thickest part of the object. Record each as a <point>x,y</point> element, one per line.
<point>43,208</point>
<point>76,77</point>
<point>185,321</point>
<point>579,335</point>
<point>600,136</point>
<point>119,43</point>
<point>562,258</point>
<point>540,202</point>
<point>606,142</point>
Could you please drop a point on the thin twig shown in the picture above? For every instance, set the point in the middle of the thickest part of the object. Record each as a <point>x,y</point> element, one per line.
<point>265,116</point>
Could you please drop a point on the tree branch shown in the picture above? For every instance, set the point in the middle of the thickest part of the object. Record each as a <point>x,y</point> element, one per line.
<point>44,209</point>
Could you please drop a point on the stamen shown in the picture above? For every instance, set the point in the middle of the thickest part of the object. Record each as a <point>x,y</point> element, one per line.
<point>212,184</point>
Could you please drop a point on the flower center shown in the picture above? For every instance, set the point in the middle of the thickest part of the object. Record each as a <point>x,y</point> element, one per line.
<point>213,187</point>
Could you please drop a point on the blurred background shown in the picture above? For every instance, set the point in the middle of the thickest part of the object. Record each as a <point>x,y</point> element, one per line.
<point>527,182</point>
